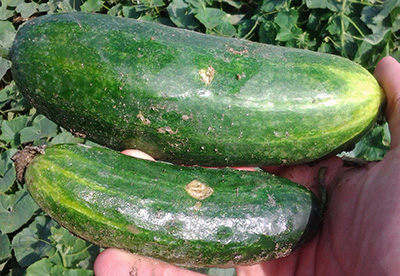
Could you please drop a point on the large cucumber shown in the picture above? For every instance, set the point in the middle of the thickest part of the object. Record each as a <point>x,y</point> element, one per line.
<point>190,216</point>
<point>191,98</point>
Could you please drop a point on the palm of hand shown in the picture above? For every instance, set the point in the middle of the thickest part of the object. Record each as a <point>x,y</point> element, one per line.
<point>360,225</point>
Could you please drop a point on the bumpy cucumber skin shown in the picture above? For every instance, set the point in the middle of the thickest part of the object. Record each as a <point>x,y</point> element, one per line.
<point>119,201</point>
<point>191,98</point>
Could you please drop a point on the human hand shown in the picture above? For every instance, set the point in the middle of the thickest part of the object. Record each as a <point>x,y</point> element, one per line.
<point>360,234</point>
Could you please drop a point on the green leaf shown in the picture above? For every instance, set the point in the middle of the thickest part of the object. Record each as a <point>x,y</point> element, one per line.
<point>92,5</point>
<point>18,103</point>
<point>132,11</point>
<point>396,55</point>
<point>198,4</point>
<point>66,137</point>
<point>78,272</point>
<point>269,6</point>
<point>45,239</point>
<point>181,14</point>
<point>32,243</point>
<point>235,19</point>
<point>287,20</point>
<point>44,7</point>
<point>7,94</point>
<point>4,66</point>
<point>152,3</point>
<point>210,17</point>
<point>374,18</point>
<point>303,41</point>
<point>10,130</point>
<point>115,10</point>
<point>5,12</point>
<point>5,161</point>
<point>267,32</point>
<point>15,210</point>
<point>12,3</point>
<point>7,170</point>
<point>363,52</point>
<point>387,8</point>
<point>334,27</point>
<point>71,250</point>
<point>7,34</point>
<point>246,28</point>
<point>93,251</point>
<point>374,146</point>
<point>41,128</point>
<point>5,250</point>
<point>65,5</point>
<point>216,21</point>
<point>7,180</point>
<point>234,3</point>
<point>42,267</point>
<point>27,9</point>
<point>11,100</point>
<point>395,17</point>
<point>332,5</point>
<point>317,21</point>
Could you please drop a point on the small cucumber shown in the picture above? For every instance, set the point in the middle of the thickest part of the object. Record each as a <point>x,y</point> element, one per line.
<point>191,216</point>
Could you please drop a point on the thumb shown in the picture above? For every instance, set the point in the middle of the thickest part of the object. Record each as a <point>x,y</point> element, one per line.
<point>387,72</point>
<point>118,262</point>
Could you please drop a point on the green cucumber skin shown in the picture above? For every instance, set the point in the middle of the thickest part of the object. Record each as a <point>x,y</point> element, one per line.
<point>131,84</point>
<point>115,200</point>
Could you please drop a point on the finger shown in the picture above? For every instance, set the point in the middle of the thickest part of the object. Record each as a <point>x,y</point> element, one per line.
<point>387,72</point>
<point>282,266</point>
<point>116,262</point>
<point>308,174</point>
<point>138,154</point>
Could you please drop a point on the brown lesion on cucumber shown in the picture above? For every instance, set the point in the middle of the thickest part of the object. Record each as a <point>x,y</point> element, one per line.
<point>24,157</point>
<point>133,229</point>
<point>282,252</point>
<point>176,145</point>
<point>198,190</point>
<point>186,117</point>
<point>167,129</point>
<point>143,119</point>
<point>207,75</point>
<point>271,200</point>
<point>77,133</point>
<point>240,76</point>
<point>197,205</point>
<point>235,52</point>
